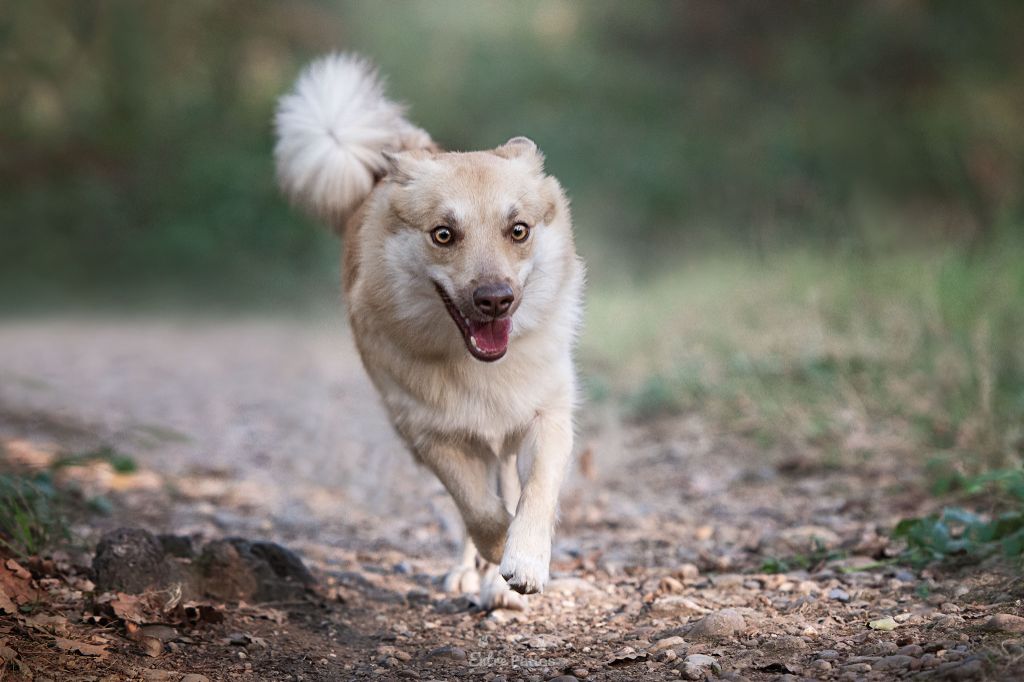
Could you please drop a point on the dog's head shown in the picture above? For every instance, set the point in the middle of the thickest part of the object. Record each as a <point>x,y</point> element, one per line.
<point>482,238</point>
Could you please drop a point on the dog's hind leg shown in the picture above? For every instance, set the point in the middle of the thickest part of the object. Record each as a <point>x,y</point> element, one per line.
<point>464,577</point>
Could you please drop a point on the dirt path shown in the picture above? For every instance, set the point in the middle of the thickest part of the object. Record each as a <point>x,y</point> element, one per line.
<point>268,429</point>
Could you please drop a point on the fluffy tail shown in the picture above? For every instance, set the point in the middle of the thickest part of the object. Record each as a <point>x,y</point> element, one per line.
<point>331,130</point>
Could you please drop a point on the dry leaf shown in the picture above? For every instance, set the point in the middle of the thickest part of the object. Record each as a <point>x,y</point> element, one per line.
<point>6,605</point>
<point>25,454</point>
<point>18,570</point>
<point>626,655</point>
<point>7,654</point>
<point>16,586</point>
<point>82,584</point>
<point>148,607</point>
<point>9,660</point>
<point>129,607</point>
<point>83,648</point>
<point>51,624</point>
<point>886,624</point>
<point>274,615</point>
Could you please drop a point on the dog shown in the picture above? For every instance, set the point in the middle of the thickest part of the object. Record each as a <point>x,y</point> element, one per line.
<point>464,296</point>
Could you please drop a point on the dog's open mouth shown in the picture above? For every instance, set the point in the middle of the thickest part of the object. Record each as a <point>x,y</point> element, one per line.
<point>486,340</point>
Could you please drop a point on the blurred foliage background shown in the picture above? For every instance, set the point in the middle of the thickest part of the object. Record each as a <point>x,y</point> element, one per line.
<point>804,216</point>
<point>136,137</point>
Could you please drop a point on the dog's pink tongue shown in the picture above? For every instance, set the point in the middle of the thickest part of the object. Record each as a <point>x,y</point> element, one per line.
<point>492,336</point>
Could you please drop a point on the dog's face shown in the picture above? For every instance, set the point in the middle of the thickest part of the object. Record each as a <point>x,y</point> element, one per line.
<point>480,238</point>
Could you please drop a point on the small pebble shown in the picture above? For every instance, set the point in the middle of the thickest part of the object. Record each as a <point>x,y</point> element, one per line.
<point>885,648</point>
<point>670,585</point>
<point>839,594</point>
<point>856,668</point>
<point>719,624</point>
<point>697,666</point>
<point>667,643</point>
<point>688,572</point>
<point>914,650</point>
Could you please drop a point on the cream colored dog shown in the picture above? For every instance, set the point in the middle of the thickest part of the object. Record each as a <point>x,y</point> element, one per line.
<point>463,290</point>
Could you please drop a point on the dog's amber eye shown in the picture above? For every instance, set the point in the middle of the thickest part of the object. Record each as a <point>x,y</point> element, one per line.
<point>520,232</point>
<point>442,236</point>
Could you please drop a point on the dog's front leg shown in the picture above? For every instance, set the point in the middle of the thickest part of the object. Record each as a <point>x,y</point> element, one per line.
<point>543,463</point>
<point>466,472</point>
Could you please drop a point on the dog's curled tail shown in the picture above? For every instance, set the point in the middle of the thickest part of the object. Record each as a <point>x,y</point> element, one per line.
<point>331,131</point>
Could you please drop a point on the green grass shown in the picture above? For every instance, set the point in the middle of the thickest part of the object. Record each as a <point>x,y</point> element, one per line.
<point>802,561</point>
<point>121,463</point>
<point>31,515</point>
<point>34,512</point>
<point>914,353</point>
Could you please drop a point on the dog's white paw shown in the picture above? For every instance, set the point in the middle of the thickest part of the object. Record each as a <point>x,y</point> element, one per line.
<point>495,593</point>
<point>525,564</point>
<point>462,580</point>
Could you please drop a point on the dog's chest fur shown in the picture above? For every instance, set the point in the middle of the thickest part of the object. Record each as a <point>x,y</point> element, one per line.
<point>455,395</point>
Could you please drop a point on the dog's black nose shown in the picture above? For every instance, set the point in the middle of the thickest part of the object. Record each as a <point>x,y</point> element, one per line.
<point>493,300</point>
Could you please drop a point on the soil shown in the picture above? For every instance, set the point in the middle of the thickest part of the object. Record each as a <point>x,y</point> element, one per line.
<point>682,552</point>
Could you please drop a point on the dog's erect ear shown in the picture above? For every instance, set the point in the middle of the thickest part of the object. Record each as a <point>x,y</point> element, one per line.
<point>402,167</point>
<point>521,148</point>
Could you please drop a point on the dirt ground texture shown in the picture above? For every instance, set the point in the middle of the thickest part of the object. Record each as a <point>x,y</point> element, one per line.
<point>682,552</point>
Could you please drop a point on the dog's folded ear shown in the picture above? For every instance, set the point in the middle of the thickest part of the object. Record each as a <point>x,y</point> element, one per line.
<point>521,148</point>
<point>402,167</point>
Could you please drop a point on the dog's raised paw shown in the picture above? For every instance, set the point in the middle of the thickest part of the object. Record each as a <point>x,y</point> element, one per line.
<point>525,575</point>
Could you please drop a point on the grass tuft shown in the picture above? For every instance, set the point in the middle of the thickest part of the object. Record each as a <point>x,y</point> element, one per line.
<point>31,515</point>
<point>957,533</point>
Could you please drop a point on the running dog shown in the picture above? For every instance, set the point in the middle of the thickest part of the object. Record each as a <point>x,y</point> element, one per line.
<point>464,298</point>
